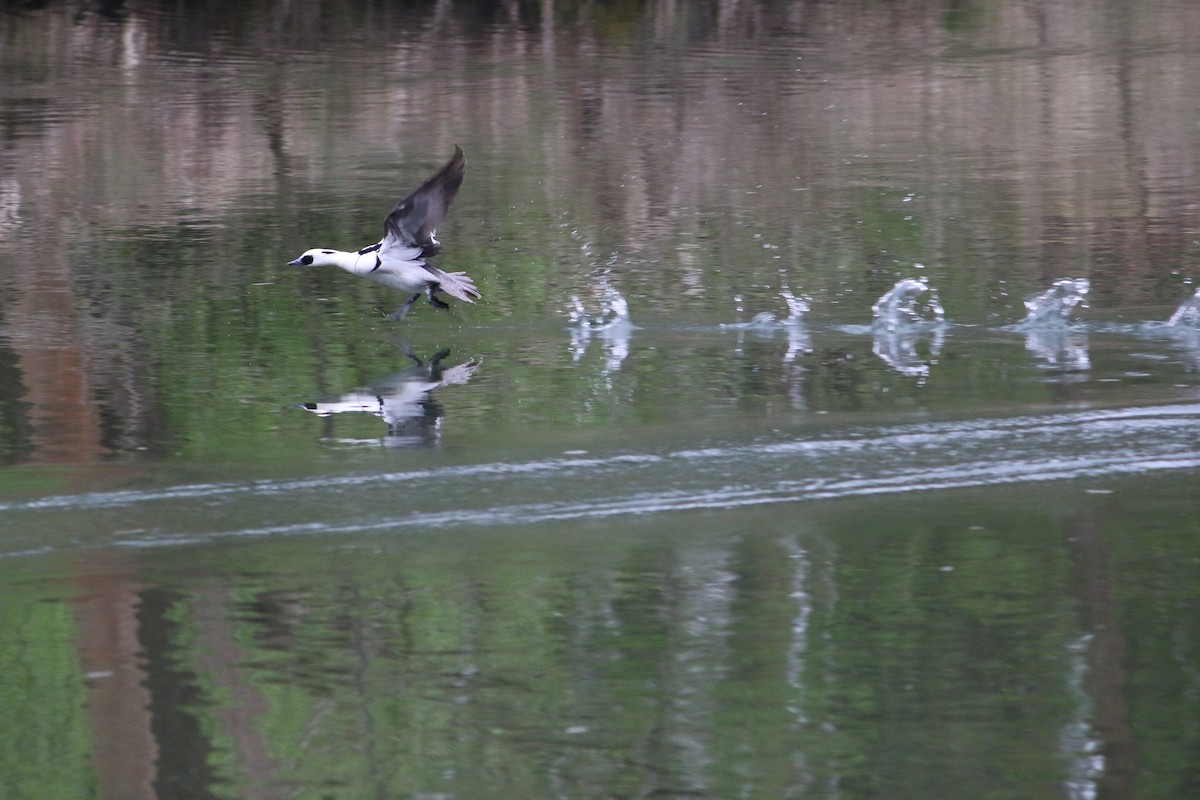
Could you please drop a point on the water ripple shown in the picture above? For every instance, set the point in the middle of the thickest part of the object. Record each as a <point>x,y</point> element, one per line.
<point>847,463</point>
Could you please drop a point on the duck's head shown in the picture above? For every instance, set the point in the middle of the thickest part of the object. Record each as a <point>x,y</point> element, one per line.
<point>314,258</point>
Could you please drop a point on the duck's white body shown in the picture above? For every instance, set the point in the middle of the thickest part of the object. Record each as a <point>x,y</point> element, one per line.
<point>398,259</point>
<point>401,269</point>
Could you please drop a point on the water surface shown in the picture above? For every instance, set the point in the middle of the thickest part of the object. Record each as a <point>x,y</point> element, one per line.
<point>669,512</point>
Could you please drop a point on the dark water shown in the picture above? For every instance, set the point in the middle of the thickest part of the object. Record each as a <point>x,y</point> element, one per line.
<point>705,551</point>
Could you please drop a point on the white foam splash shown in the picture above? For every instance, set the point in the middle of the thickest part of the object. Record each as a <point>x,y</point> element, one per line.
<point>766,320</point>
<point>1188,314</point>
<point>610,324</point>
<point>898,308</point>
<point>1053,307</point>
<point>613,310</point>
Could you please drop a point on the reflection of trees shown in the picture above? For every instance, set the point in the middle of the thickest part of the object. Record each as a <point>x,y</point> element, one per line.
<point>700,149</point>
<point>1105,655</point>
<point>947,644</point>
<point>648,131</point>
<point>940,651</point>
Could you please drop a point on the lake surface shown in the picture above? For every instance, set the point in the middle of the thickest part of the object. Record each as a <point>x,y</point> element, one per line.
<point>670,512</point>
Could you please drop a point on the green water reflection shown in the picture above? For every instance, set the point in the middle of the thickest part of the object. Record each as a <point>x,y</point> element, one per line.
<point>936,646</point>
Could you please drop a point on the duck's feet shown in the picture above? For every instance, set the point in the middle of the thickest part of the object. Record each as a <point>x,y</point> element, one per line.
<point>434,300</point>
<point>399,313</point>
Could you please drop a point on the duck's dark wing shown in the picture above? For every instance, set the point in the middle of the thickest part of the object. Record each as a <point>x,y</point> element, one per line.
<point>414,220</point>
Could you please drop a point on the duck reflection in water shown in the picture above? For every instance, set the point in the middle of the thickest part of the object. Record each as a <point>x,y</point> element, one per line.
<point>403,400</point>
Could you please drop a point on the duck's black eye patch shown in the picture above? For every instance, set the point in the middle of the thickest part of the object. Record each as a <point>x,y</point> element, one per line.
<point>327,252</point>
<point>306,260</point>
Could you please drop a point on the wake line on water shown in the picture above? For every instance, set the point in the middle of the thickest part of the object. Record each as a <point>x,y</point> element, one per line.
<point>1021,443</point>
<point>272,487</point>
<point>956,477</point>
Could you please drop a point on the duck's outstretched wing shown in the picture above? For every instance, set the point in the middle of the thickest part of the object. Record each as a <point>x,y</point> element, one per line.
<point>414,220</point>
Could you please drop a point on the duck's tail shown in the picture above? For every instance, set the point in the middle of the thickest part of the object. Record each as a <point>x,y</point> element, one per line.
<point>457,284</point>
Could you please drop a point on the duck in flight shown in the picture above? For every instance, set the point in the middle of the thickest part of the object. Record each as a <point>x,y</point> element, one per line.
<point>398,259</point>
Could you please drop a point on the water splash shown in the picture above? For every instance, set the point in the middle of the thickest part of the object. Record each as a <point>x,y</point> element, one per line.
<point>766,320</point>
<point>766,324</point>
<point>898,309</point>
<point>1182,329</point>
<point>798,338</point>
<point>1053,307</point>
<point>611,324</point>
<point>1048,334</point>
<point>613,310</point>
<point>1188,314</point>
<point>797,307</point>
